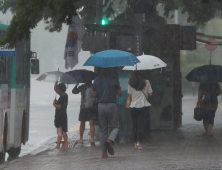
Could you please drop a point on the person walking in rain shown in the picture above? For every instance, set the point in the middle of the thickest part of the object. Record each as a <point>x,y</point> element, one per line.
<point>61,114</point>
<point>139,90</point>
<point>105,88</point>
<point>86,114</point>
<point>207,99</point>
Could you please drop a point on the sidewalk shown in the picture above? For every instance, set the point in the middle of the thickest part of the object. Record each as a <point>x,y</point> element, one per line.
<point>181,149</point>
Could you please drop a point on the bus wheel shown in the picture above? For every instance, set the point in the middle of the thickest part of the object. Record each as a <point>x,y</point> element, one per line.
<point>23,129</point>
<point>2,155</point>
<point>14,153</point>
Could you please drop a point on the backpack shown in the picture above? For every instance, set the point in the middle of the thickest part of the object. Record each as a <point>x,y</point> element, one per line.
<point>210,94</point>
<point>89,98</point>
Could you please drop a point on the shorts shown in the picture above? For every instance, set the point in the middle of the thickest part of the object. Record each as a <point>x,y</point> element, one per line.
<point>63,128</point>
<point>86,114</point>
<point>208,116</point>
<point>59,131</point>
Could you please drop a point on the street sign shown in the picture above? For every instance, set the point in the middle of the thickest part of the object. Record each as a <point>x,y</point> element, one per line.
<point>5,51</point>
<point>187,37</point>
<point>211,47</point>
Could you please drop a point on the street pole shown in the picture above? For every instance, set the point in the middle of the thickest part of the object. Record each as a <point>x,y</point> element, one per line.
<point>210,57</point>
<point>99,7</point>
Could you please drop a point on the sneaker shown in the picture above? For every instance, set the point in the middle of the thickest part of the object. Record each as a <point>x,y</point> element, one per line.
<point>109,147</point>
<point>104,155</point>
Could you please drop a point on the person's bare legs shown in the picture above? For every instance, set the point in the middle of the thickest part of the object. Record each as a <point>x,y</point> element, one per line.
<point>209,129</point>
<point>58,142</point>
<point>81,130</point>
<point>205,127</point>
<point>65,137</point>
<point>92,130</point>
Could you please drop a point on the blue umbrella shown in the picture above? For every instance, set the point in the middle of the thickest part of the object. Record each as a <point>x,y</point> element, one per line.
<point>206,74</point>
<point>112,58</point>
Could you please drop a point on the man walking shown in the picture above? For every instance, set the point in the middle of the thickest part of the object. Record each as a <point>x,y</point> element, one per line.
<point>105,88</point>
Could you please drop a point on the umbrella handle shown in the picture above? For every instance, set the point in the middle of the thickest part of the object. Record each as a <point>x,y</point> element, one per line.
<point>55,96</point>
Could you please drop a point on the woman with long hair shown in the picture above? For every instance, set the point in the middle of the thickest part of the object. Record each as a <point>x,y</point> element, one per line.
<point>139,89</point>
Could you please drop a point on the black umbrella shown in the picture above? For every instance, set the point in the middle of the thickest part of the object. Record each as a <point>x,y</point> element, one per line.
<point>206,74</point>
<point>82,76</point>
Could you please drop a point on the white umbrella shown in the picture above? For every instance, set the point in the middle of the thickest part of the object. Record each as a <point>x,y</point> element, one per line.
<point>147,62</point>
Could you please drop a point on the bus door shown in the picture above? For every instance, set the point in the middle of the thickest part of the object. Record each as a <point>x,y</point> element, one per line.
<point>5,82</point>
<point>21,88</point>
<point>5,93</point>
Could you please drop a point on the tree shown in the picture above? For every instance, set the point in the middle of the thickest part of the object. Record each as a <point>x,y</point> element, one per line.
<point>27,14</point>
<point>199,11</point>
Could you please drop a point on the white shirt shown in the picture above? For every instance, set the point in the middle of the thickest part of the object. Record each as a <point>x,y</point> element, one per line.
<point>138,98</point>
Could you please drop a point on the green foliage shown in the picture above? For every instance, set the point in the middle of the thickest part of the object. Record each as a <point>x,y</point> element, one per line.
<point>193,57</point>
<point>189,68</point>
<point>192,60</point>
<point>199,11</point>
<point>28,13</point>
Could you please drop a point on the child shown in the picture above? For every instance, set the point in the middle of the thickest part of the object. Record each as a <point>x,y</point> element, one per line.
<point>61,114</point>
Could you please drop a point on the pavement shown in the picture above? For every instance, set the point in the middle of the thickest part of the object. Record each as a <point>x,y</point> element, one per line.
<point>184,148</point>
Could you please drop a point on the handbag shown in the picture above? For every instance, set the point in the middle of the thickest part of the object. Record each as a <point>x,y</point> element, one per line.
<point>128,102</point>
<point>198,113</point>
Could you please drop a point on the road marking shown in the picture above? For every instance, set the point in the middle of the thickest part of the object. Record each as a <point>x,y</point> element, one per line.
<point>76,127</point>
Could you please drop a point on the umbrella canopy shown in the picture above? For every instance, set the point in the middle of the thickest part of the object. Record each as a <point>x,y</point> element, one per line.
<point>112,58</point>
<point>82,76</point>
<point>147,62</point>
<point>53,76</point>
<point>206,74</point>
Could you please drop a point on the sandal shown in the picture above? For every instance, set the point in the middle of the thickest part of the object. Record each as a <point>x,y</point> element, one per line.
<point>80,141</point>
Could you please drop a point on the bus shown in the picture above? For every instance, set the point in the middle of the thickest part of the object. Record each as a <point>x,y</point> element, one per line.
<point>15,73</point>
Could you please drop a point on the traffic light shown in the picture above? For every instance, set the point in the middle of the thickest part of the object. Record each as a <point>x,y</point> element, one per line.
<point>104,21</point>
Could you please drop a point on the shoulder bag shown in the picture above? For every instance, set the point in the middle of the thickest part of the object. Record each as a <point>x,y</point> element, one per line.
<point>149,99</point>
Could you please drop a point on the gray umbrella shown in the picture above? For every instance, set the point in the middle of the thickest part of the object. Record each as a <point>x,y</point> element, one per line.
<point>53,76</point>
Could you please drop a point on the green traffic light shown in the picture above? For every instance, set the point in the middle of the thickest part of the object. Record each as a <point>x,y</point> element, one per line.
<point>104,21</point>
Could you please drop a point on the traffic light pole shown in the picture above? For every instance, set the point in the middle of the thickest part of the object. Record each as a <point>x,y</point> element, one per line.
<point>99,7</point>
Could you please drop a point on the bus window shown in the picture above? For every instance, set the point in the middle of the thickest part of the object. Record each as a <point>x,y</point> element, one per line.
<point>21,62</point>
<point>4,69</point>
